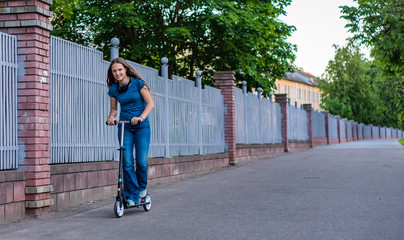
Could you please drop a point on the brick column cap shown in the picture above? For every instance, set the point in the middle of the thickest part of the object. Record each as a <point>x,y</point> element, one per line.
<point>32,22</point>
<point>307,107</point>
<point>325,112</point>
<point>281,98</point>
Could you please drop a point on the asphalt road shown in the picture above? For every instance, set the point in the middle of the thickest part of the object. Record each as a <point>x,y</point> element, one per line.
<point>344,191</point>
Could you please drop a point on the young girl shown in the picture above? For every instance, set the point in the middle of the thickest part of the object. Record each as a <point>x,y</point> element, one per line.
<point>131,91</point>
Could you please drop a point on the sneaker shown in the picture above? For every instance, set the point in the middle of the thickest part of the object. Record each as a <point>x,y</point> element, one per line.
<point>142,194</point>
<point>131,203</point>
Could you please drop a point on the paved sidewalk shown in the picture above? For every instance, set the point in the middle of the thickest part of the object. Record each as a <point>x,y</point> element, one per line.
<point>369,144</point>
<point>354,191</point>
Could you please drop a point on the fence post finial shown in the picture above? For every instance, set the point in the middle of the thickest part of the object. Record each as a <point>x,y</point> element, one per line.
<point>259,90</point>
<point>198,78</point>
<point>114,48</point>
<point>244,88</point>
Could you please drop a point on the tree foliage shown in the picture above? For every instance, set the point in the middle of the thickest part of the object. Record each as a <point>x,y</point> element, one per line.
<point>354,88</point>
<point>209,35</point>
<point>379,24</point>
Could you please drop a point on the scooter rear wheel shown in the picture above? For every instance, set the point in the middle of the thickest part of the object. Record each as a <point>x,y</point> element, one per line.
<point>147,206</point>
<point>118,209</point>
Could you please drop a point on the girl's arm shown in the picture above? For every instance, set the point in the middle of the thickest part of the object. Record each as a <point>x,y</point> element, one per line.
<point>113,111</point>
<point>147,97</point>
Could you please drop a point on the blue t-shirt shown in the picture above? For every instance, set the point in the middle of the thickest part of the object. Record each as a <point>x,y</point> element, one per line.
<point>131,101</point>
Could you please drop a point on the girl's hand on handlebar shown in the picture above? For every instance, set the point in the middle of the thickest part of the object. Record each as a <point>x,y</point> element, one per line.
<point>111,120</point>
<point>136,120</point>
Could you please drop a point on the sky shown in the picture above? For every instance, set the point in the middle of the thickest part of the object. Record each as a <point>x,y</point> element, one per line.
<point>318,27</point>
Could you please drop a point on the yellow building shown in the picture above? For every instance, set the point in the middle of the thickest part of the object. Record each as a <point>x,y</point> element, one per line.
<point>301,88</point>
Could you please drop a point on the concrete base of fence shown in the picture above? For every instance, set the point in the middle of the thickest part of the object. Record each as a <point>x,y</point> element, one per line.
<point>248,152</point>
<point>78,183</point>
<point>298,145</point>
<point>319,141</point>
<point>334,140</point>
<point>168,169</point>
<point>12,197</point>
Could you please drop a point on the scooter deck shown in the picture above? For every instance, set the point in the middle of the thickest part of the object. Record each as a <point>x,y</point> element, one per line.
<point>137,205</point>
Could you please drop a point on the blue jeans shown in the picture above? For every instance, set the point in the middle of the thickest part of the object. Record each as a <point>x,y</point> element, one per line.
<point>135,181</point>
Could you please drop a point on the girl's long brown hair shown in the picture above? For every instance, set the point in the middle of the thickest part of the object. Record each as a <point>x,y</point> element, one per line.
<point>130,72</point>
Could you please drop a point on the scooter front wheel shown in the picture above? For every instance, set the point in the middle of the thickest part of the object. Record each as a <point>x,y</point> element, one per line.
<point>118,209</point>
<point>147,206</point>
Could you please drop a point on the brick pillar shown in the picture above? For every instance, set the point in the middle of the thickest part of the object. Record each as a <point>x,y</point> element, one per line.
<point>282,100</point>
<point>29,21</point>
<point>379,132</point>
<point>224,81</point>
<point>338,128</point>
<point>308,109</point>
<point>326,117</point>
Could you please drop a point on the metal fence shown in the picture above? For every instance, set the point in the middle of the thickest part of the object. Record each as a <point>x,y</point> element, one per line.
<point>360,130</point>
<point>332,127</point>
<point>375,130</point>
<point>78,104</point>
<point>367,131</point>
<point>258,120</point>
<point>383,132</point>
<point>8,102</point>
<point>349,127</point>
<point>186,119</point>
<point>318,124</point>
<point>342,128</point>
<point>297,124</point>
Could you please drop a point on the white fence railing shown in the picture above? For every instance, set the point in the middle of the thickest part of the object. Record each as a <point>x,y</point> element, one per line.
<point>332,127</point>
<point>186,120</point>
<point>367,131</point>
<point>375,131</point>
<point>297,124</point>
<point>342,128</point>
<point>8,102</point>
<point>80,106</point>
<point>318,124</point>
<point>258,120</point>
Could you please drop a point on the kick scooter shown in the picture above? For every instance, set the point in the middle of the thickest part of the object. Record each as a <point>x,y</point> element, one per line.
<point>120,201</point>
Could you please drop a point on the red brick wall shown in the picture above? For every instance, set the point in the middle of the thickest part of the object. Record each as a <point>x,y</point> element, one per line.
<point>295,146</point>
<point>30,22</point>
<point>334,140</point>
<point>248,152</point>
<point>224,81</point>
<point>78,183</point>
<point>12,197</point>
<point>319,141</point>
<point>282,100</point>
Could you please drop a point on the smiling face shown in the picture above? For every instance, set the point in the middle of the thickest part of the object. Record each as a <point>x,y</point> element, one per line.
<point>119,72</point>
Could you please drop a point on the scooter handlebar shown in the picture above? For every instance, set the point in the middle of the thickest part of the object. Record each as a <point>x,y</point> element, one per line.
<point>118,122</point>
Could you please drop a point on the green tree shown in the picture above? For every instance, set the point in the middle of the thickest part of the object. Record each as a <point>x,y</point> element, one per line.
<point>354,88</point>
<point>379,24</point>
<point>210,35</point>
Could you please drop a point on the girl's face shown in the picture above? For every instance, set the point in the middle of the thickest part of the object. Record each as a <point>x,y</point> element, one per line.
<point>119,71</point>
